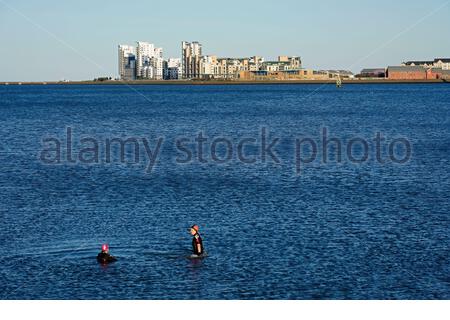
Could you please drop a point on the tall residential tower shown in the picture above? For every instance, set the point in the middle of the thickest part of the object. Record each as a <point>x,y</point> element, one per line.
<point>144,53</point>
<point>127,62</point>
<point>190,58</point>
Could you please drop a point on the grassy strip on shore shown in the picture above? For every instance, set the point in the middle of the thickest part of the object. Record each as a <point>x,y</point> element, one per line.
<point>224,82</point>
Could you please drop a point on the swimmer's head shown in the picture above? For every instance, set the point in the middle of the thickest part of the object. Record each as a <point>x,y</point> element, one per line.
<point>194,229</point>
<point>105,248</point>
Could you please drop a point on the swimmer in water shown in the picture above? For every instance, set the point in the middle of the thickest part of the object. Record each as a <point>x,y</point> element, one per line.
<point>104,257</point>
<point>197,243</point>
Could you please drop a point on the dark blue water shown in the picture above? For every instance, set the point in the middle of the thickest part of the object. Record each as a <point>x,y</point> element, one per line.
<point>330,231</point>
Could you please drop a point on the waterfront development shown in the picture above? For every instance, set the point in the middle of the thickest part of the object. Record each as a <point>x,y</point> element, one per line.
<point>145,62</point>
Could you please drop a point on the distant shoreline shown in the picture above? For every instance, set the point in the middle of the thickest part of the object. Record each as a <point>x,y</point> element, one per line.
<point>220,82</point>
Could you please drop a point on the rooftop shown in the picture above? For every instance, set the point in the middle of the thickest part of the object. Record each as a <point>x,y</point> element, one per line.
<point>406,68</point>
<point>418,62</point>
<point>276,62</point>
<point>373,70</point>
<point>441,71</point>
<point>341,72</point>
<point>445,60</point>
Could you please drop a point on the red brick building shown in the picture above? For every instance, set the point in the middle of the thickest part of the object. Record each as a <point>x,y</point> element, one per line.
<point>407,73</point>
<point>438,73</point>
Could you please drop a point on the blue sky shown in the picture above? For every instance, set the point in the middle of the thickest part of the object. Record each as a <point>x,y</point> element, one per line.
<point>327,34</point>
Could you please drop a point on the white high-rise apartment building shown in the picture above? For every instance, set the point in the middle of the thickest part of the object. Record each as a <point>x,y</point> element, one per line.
<point>190,58</point>
<point>158,64</point>
<point>127,62</point>
<point>144,53</point>
<point>149,61</point>
<point>141,62</point>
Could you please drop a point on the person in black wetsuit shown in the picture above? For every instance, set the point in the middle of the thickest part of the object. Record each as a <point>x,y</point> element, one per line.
<point>197,243</point>
<point>104,257</point>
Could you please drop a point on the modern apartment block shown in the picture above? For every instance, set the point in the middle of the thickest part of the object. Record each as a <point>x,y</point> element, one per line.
<point>172,69</point>
<point>190,58</point>
<point>144,52</point>
<point>149,61</point>
<point>255,63</point>
<point>127,62</point>
<point>284,63</point>
<point>209,67</point>
<point>145,61</point>
<point>231,68</point>
<point>158,64</point>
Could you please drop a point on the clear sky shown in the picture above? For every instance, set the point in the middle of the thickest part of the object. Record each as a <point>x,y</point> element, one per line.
<point>54,39</point>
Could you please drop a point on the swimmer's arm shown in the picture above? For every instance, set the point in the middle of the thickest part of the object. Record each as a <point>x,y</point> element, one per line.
<point>199,248</point>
